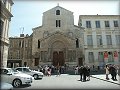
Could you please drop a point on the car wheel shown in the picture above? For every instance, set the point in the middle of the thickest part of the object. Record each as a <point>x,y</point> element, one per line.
<point>35,76</point>
<point>17,83</point>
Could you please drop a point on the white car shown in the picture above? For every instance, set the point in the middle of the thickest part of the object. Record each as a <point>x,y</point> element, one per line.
<point>14,77</point>
<point>27,70</point>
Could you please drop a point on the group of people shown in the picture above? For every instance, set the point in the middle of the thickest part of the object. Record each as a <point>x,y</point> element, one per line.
<point>48,70</point>
<point>84,72</point>
<point>111,69</point>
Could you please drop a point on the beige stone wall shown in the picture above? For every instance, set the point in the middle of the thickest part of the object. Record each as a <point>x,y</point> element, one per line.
<point>54,38</point>
<point>21,49</point>
<point>5,18</point>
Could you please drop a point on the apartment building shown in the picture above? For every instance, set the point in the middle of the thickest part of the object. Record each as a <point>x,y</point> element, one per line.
<point>101,39</point>
<point>5,19</point>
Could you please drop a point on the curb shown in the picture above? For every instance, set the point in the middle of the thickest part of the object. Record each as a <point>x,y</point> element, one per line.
<point>104,80</point>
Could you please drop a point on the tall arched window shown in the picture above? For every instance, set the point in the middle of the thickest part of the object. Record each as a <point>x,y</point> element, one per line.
<point>57,12</point>
<point>77,43</point>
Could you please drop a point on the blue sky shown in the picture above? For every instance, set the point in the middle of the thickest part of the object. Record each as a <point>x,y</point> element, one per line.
<point>28,13</point>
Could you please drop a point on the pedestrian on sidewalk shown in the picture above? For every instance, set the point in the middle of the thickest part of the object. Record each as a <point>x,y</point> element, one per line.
<point>113,72</point>
<point>58,70</point>
<point>81,72</point>
<point>76,70</point>
<point>88,73</point>
<point>107,71</point>
<point>84,73</point>
<point>49,71</point>
<point>119,73</point>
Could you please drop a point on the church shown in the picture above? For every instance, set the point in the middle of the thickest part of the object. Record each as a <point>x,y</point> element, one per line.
<point>58,40</point>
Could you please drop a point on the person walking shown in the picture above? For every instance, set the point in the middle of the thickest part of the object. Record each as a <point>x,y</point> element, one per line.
<point>113,72</point>
<point>58,70</point>
<point>84,73</point>
<point>81,72</point>
<point>88,73</point>
<point>107,71</point>
<point>49,71</point>
<point>119,73</point>
<point>76,70</point>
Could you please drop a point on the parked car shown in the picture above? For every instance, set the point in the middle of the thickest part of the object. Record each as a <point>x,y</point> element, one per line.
<point>14,77</point>
<point>5,86</point>
<point>27,70</point>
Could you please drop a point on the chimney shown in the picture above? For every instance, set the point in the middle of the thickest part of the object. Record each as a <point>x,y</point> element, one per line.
<point>21,35</point>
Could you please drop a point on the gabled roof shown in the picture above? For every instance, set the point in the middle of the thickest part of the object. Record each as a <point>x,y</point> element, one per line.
<point>58,7</point>
<point>57,32</point>
<point>36,27</point>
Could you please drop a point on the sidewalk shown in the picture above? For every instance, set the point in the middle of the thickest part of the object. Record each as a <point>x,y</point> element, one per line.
<point>103,77</point>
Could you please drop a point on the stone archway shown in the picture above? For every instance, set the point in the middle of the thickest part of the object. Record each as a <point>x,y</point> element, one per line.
<point>58,53</point>
<point>58,58</point>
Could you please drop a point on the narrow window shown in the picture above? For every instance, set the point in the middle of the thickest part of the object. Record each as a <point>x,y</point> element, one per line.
<point>97,24</point>
<point>89,40</point>
<point>115,23</point>
<point>77,43</point>
<point>1,27</point>
<point>109,39</point>
<point>58,23</point>
<point>88,24</point>
<point>57,12</point>
<point>118,39</point>
<point>99,40</point>
<point>107,24</point>
<point>91,57</point>
<point>38,43</point>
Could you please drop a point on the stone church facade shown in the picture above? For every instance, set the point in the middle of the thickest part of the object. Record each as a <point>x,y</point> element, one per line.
<point>58,40</point>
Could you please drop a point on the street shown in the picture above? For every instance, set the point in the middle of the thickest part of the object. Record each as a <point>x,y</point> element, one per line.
<point>66,81</point>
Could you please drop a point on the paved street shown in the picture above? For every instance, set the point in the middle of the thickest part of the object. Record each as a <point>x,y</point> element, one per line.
<point>66,81</point>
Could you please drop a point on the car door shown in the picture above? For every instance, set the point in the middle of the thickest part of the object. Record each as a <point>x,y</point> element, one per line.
<point>27,71</point>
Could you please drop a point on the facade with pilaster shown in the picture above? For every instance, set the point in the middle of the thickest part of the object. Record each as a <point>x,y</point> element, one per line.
<point>101,39</point>
<point>20,51</point>
<point>5,19</point>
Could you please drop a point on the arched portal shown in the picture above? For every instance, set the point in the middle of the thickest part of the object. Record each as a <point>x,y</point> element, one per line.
<point>58,53</point>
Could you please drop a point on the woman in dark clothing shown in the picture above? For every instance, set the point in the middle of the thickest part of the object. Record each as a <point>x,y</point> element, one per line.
<point>84,73</point>
<point>81,72</point>
<point>113,72</point>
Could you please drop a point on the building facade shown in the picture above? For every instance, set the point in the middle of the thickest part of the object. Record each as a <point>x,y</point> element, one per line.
<point>20,51</point>
<point>101,39</point>
<point>5,19</point>
<point>95,41</point>
<point>58,40</point>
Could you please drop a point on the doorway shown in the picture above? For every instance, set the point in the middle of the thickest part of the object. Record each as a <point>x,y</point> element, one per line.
<point>58,58</point>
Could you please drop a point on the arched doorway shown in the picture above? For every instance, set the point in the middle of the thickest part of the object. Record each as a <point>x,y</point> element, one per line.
<point>58,58</point>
